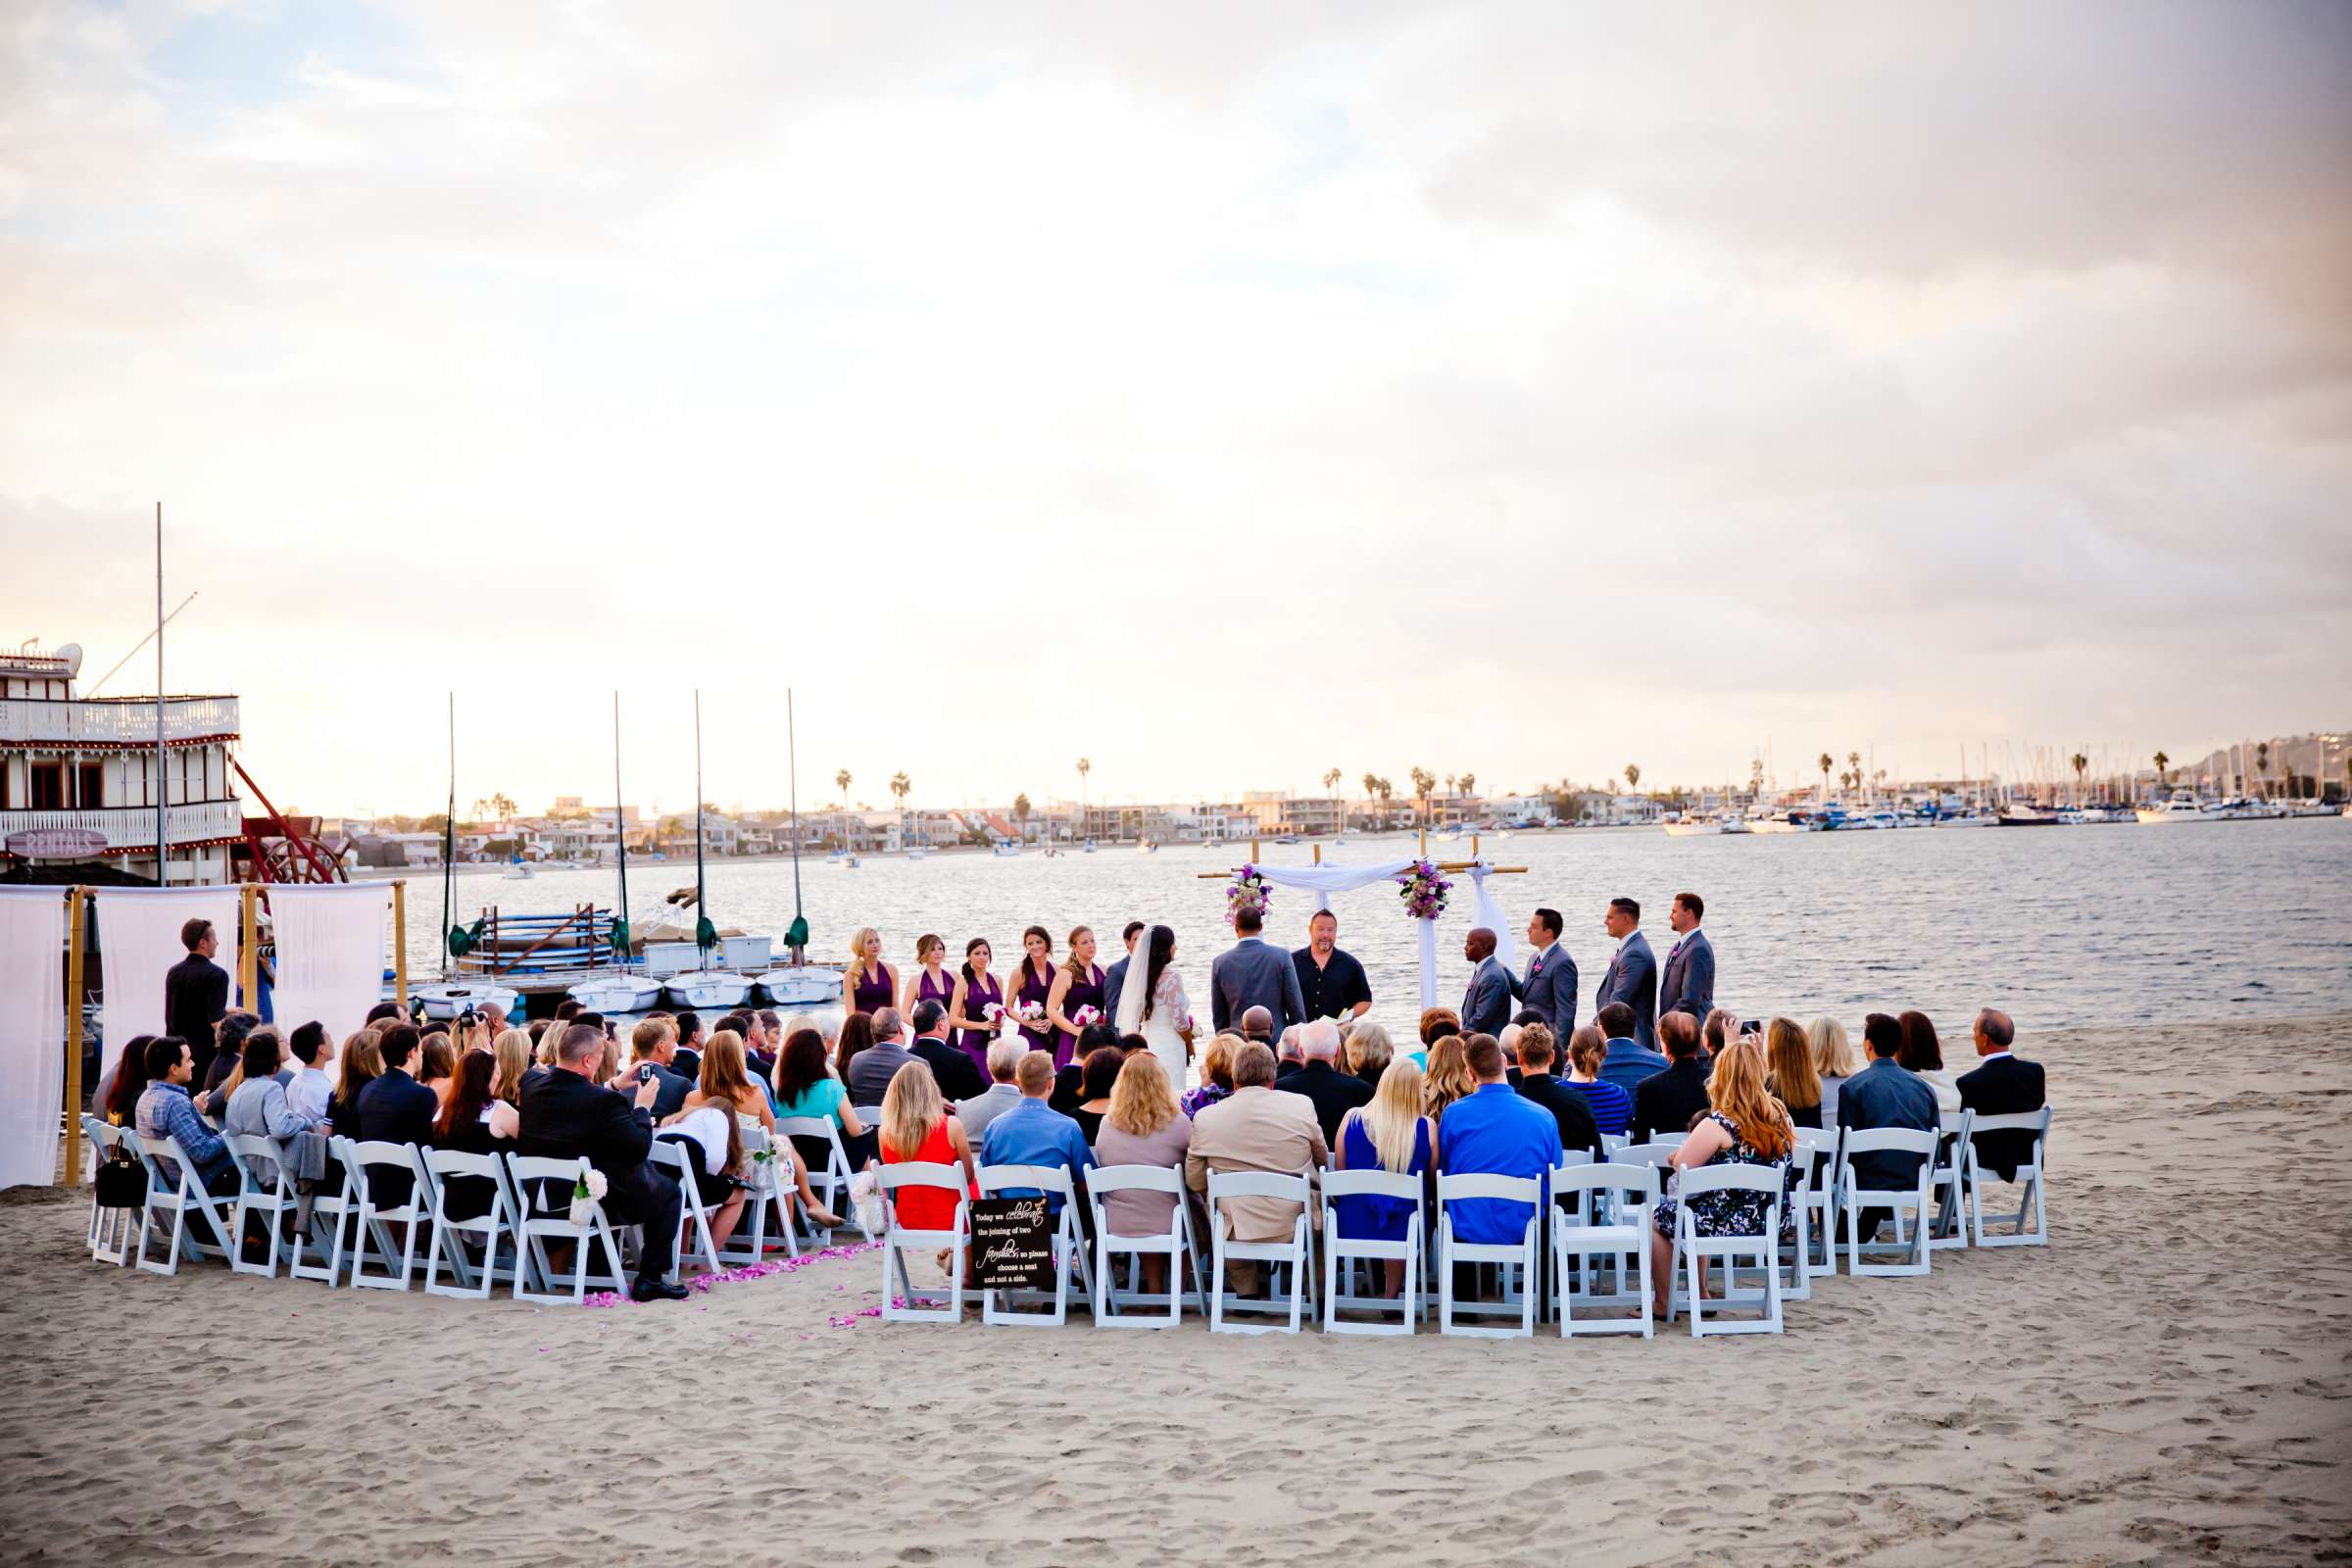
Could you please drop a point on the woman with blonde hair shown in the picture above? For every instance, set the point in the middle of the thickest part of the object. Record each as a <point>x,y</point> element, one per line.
<point>511,1058</point>
<point>1389,1134</point>
<point>1449,1078</point>
<point>867,985</point>
<point>1369,1052</point>
<point>1747,1126</point>
<point>1793,1080</point>
<point>1143,1127</point>
<point>1216,1075</point>
<point>917,1128</point>
<point>1833,1059</point>
<point>1077,988</point>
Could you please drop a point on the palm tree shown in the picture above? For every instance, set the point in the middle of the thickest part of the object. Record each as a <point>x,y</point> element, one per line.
<point>1633,775</point>
<point>1331,780</point>
<point>901,788</point>
<point>841,782</point>
<point>1020,813</point>
<point>1449,783</point>
<point>2164,770</point>
<point>2262,759</point>
<point>1387,793</point>
<point>1825,762</point>
<point>2080,762</point>
<point>1612,783</point>
<point>1424,781</point>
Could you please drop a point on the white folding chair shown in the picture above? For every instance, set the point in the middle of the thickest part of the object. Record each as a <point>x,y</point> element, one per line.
<point>903,1301</point>
<point>2028,1180</point>
<point>1068,1242</point>
<point>1948,1184</point>
<point>1610,1143</point>
<point>111,1229</point>
<point>272,1195</point>
<point>1510,1258</point>
<point>771,1183</point>
<point>451,1236</point>
<point>1294,1254</point>
<point>176,1195</point>
<point>1817,1212</point>
<point>673,1154</point>
<point>1759,1251</point>
<point>1342,1254</point>
<point>1165,1309</point>
<point>1608,1223</point>
<point>831,1185</point>
<point>337,1211</point>
<point>374,1233</point>
<point>544,1187</point>
<point>1911,1247</point>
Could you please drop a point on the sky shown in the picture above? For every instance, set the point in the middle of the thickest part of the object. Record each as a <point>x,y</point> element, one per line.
<point>1225,393</point>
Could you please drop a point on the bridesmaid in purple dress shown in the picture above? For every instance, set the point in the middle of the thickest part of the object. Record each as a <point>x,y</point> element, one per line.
<point>1038,979</point>
<point>1079,984</point>
<point>868,985</point>
<point>976,991</point>
<point>931,981</point>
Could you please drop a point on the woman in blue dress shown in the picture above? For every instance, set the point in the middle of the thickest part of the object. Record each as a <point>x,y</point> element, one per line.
<point>1389,1134</point>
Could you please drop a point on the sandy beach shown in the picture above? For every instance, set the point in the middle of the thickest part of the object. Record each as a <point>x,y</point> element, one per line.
<point>2167,1382</point>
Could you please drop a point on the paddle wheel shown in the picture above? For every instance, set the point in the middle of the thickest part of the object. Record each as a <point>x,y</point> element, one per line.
<point>278,849</point>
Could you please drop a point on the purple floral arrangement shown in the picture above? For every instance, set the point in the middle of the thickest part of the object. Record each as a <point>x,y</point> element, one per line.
<point>1424,888</point>
<point>1248,891</point>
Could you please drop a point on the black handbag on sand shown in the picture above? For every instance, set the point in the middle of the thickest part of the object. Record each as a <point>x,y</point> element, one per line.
<point>122,1182</point>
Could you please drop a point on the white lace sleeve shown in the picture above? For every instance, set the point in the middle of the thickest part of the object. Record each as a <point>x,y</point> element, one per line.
<point>1169,1000</point>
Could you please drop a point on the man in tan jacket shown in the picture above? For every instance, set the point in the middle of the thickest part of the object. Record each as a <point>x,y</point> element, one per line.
<point>1262,1129</point>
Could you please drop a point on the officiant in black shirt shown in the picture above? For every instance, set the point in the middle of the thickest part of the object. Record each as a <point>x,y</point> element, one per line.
<point>1331,982</point>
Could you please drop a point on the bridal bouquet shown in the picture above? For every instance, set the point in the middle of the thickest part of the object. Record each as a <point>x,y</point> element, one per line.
<point>1248,891</point>
<point>1086,1017</point>
<point>586,1193</point>
<point>1424,891</point>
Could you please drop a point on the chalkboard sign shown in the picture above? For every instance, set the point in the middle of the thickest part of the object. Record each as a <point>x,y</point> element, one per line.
<point>1012,1245</point>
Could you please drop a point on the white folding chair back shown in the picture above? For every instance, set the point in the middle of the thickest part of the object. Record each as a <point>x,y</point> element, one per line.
<point>902,1300</point>
<point>771,1185</point>
<point>1162,1308</point>
<point>542,1187</point>
<point>261,1188</point>
<point>1292,1253</point>
<point>673,1156</point>
<point>1910,1240</point>
<point>1817,1214</point>
<point>1069,1240</point>
<point>375,1224</point>
<point>2028,1180</point>
<point>1510,1256</point>
<point>338,1212</point>
<point>176,1195</point>
<point>1947,1184</point>
<point>111,1229</point>
<point>450,1236</point>
<point>1757,1250</point>
<point>831,1185</point>
<point>1607,1229</point>
<point>1342,1254</point>
<point>1610,1143</point>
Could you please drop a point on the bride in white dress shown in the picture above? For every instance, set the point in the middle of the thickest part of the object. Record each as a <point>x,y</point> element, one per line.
<point>1152,1004</point>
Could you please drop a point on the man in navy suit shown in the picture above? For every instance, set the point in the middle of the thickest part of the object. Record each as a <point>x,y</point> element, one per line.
<point>1689,985</point>
<point>1548,990</point>
<point>1114,978</point>
<point>1487,1004</point>
<point>2004,1086</point>
<point>1633,973</point>
<point>395,1108</point>
<point>565,1116</point>
<point>1251,974</point>
<point>1884,1094</point>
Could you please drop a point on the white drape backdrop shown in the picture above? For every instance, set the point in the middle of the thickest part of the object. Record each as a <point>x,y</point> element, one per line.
<point>33,1033</point>
<point>1328,878</point>
<point>139,932</point>
<point>330,954</point>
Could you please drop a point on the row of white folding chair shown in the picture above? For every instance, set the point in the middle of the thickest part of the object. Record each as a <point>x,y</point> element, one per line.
<point>2030,1180</point>
<point>830,1185</point>
<point>1911,1242</point>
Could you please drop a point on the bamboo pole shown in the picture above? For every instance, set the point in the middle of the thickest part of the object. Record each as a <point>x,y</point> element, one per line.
<point>1318,855</point>
<point>249,957</point>
<point>74,898</point>
<point>400,940</point>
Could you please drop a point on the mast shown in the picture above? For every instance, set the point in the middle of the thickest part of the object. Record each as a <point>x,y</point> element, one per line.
<point>449,835</point>
<point>621,850</point>
<point>795,938</point>
<point>706,934</point>
<point>163,824</point>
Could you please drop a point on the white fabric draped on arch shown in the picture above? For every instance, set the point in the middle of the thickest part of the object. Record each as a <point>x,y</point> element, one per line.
<point>1328,878</point>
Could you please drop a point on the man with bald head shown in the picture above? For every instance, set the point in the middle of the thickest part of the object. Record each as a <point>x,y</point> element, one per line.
<point>2004,1086</point>
<point>1487,1004</point>
<point>1257,1023</point>
<point>1333,1093</point>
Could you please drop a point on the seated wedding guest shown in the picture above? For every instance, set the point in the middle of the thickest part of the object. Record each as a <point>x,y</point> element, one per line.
<point>692,1035</point>
<point>1743,1126</point>
<point>1257,1023</point>
<point>1833,1059</point>
<point>1885,1095</point>
<point>1333,1093</point>
<point>759,1040</point>
<point>1368,1051</point>
<point>565,1116</point>
<point>1493,1131</point>
<point>1794,1081</point>
<point>230,1032</point>
<point>512,1051</point>
<point>1568,1109</point>
<point>394,1013</point>
<point>437,1066</point>
<point>653,1048</point>
<point>395,1108</point>
<point>313,1087</point>
<point>1923,1054</point>
<point>2003,1085</point>
<point>1611,1105</point>
<point>1217,1074</point>
<point>1388,1132</point>
<point>727,1081</point>
<point>1508,1039</point>
<point>1003,1054</point>
<point>260,1107</point>
<point>1289,1054</point>
<point>958,1078</point>
<point>1628,1062</point>
<point>1143,1127</point>
<point>1436,1024</point>
<point>1665,1103</point>
<point>870,1075</point>
<point>1448,1079</point>
<point>569,1008</point>
<point>1721,1028</point>
<point>362,1061</point>
<point>917,1129</point>
<point>1070,1080</point>
<point>544,1038</point>
<point>804,1089</point>
<point>165,1111</point>
<point>1099,1074</point>
<point>1256,1129</point>
<point>857,1037</point>
<point>711,1141</point>
<point>475,1121</point>
<point>121,1098</point>
<point>1034,1133</point>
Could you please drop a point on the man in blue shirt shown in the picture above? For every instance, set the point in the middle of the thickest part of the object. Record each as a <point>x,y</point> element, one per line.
<point>1034,1133</point>
<point>1885,1095</point>
<point>165,1111</point>
<point>1493,1131</point>
<point>1628,1062</point>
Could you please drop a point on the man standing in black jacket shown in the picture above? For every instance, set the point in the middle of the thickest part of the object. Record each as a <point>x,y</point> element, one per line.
<point>196,995</point>
<point>565,1116</point>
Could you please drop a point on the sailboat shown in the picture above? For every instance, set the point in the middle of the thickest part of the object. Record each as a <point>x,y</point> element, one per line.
<point>800,983</point>
<point>621,991</point>
<point>705,989</point>
<point>446,998</point>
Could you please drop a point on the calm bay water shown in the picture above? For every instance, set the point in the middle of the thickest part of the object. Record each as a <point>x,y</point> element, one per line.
<point>2060,926</point>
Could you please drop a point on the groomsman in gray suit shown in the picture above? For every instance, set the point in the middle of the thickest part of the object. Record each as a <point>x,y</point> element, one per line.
<point>1689,985</point>
<point>1550,988</point>
<point>1487,1004</point>
<point>1632,974</point>
<point>1252,974</point>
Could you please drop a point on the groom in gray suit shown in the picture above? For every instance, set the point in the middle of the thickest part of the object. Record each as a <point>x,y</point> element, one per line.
<point>1689,985</point>
<point>1487,1004</point>
<point>1550,989</point>
<point>1252,974</point>
<point>1632,974</point>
